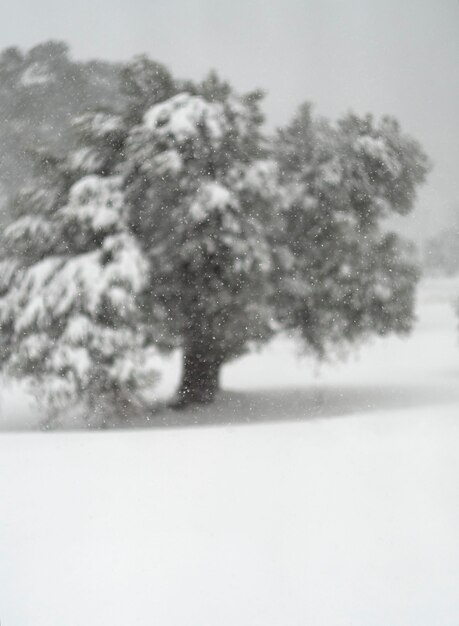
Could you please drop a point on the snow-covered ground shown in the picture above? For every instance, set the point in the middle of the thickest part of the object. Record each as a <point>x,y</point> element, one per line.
<point>301,518</point>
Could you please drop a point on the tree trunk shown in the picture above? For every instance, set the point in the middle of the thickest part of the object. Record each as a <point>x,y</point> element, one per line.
<point>200,377</point>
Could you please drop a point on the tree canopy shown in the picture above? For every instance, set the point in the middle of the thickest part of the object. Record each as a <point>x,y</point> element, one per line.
<point>178,222</point>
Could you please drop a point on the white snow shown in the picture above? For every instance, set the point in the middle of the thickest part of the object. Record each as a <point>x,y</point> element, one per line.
<point>211,197</point>
<point>8,268</point>
<point>29,227</point>
<point>377,149</point>
<point>36,74</point>
<point>261,177</point>
<point>86,159</point>
<point>168,162</point>
<point>54,286</point>
<point>182,116</point>
<point>96,200</point>
<point>100,124</point>
<point>343,510</point>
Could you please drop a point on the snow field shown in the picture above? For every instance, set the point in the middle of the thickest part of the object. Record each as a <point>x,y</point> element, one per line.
<point>351,519</point>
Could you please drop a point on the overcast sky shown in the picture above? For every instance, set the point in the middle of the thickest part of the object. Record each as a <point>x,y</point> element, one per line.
<point>384,56</point>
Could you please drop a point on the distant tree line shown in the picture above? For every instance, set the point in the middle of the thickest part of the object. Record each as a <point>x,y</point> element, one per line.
<point>441,251</point>
<point>41,91</point>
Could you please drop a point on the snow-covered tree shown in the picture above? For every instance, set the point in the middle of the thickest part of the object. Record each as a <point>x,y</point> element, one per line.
<point>441,251</point>
<point>204,203</point>
<point>347,275</point>
<point>71,278</point>
<point>145,83</point>
<point>178,224</point>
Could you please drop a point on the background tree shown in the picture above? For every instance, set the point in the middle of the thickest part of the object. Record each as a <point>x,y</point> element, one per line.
<point>441,252</point>
<point>41,92</point>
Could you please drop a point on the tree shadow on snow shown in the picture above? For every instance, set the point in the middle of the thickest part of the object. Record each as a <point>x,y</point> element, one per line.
<point>301,404</point>
<point>273,405</point>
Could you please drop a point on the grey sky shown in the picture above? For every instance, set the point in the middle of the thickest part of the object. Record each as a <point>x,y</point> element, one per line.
<point>384,56</point>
